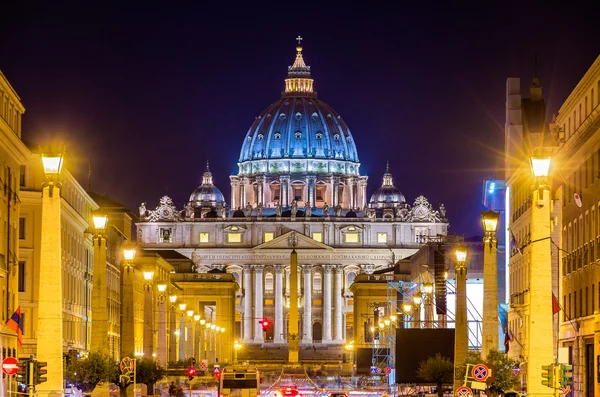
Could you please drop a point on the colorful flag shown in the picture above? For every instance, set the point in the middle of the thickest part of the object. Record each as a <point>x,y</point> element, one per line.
<point>555,304</point>
<point>507,339</point>
<point>14,323</point>
<point>513,241</point>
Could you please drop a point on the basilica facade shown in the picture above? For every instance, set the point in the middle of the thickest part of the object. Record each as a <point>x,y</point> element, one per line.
<point>298,187</point>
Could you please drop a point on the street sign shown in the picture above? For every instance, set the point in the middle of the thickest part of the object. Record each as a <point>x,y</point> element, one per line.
<point>202,366</point>
<point>373,370</point>
<point>10,366</point>
<point>464,391</point>
<point>126,365</point>
<point>480,372</point>
<point>387,370</point>
<point>565,390</point>
<point>478,385</point>
<point>378,370</point>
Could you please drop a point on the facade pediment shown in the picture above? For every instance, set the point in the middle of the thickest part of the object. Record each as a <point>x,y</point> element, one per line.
<point>291,240</point>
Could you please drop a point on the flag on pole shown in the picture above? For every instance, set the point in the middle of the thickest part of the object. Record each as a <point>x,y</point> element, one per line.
<point>14,323</point>
<point>513,241</point>
<point>555,305</point>
<point>507,339</point>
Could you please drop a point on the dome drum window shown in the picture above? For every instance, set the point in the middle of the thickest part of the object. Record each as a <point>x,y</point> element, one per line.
<point>260,137</point>
<point>298,116</point>
<point>277,135</point>
<point>298,135</point>
<point>319,135</point>
<point>282,116</point>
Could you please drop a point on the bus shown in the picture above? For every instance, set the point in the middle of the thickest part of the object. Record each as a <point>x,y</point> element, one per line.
<point>239,381</point>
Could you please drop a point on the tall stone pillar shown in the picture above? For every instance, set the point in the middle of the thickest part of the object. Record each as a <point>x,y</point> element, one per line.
<point>327,303</point>
<point>190,337</point>
<point>99,341</point>
<point>258,303</point>
<point>162,342</point>
<point>278,337</point>
<point>284,190</point>
<point>243,197</point>
<point>461,335</point>
<point>172,336</point>
<point>50,321</point>
<point>235,192</point>
<point>260,189</point>
<point>337,302</point>
<point>148,342</point>
<point>335,191</point>
<point>539,348</point>
<point>489,326</point>
<point>248,320</point>
<point>351,186</point>
<point>307,334</point>
<point>311,183</point>
<point>182,337</point>
<point>362,185</point>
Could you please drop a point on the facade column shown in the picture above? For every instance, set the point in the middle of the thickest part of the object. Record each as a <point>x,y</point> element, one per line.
<point>172,336</point>
<point>161,354</point>
<point>182,337</point>
<point>351,185</point>
<point>278,337</point>
<point>258,303</point>
<point>190,336</point>
<point>307,322</point>
<point>461,331</point>
<point>335,191</point>
<point>243,183</point>
<point>327,303</point>
<point>148,343</point>
<point>235,192</point>
<point>248,320</point>
<point>99,298</point>
<point>311,183</point>
<point>337,302</point>
<point>260,190</point>
<point>362,186</point>
<point>284,190</point>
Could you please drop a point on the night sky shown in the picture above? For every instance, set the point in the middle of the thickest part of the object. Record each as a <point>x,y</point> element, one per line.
<point>148,94</point>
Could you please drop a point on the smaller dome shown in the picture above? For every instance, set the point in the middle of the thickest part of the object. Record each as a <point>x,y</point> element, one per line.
<point>351,214</point>
<point>207,194</point>
<point>387,195</point>
<point>238,214</point>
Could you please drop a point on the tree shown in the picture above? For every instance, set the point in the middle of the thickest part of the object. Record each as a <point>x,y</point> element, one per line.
<point>504,377</point>
<point>437,370</point>
<point>147,371</point>
<point>86,373</point>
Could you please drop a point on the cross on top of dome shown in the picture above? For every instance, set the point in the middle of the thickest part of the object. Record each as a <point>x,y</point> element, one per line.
<point>387,177</point>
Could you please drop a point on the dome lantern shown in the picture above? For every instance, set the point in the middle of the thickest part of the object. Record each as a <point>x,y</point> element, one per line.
<point>299,81</point>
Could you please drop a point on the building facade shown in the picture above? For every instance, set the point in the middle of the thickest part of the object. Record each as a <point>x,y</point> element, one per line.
<point>298,187</point>
<point>578,123</point>
<point>13,156</point>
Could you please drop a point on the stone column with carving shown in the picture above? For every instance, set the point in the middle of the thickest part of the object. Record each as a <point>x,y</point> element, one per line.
<point>190,337</point>
<point>362,188</point>
<point>243,183</point>
<point>327,303</point>
<point>351,185</point>
<point>278,331</point>
<point>284,190</point>
<point>248,323</point>
<point>335,191</point>
<point>311,183</point>
<point>182,337</point>
<point>260,189</point>
<point>258,303</point>
<point>307,321</point>
<point>338,303</point>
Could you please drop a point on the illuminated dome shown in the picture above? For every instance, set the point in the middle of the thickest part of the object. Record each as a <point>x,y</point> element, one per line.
<point>207,194</point>
<point>298,127</point>
<point>387,195</point>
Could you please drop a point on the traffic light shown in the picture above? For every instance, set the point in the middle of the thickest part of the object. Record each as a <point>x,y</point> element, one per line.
<point>217,374</point>
<point>548,375</point>
<point>566,375</point>
<point>39,372</point>
<point>24,373</point>
<point>191,373</point>
<point>265,324</point>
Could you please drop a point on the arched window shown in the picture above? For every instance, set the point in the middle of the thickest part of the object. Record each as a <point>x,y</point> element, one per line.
<point>269,282</point>
<point>350,279</point>
<point>317,283</point>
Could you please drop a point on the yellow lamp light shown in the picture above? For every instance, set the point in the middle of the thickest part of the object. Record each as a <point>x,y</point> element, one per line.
<point>489,219</point>
<point>148,275</point>
<point>52,163</point>
<point>208,325</point>
<point>162,287</point>
<point>173,298</point>
<point>190,313</point>
<point>386,322</point>
<point>407,307</point>
<point>100,221</point>
<point>540,166</point>
<point>182,306</point>
<point>129,251</point>
<point>196,317</point>
<point>202,321</point>
<point>222,330</point>
<point>417,299</point>
<point>461,254</point>
<point>428,288</point>
<point>393,318</point>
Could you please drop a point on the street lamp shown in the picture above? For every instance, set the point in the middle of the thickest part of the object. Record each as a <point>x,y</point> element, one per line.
<point>236,346</point>
<point>182,331</point>
<point>461,335</point>
<point>539,346</point>
<point>100,341</point>
<point>172,327</point>
<point>489,333</point>
<point>50,305</point>
<point>128,326</point>
<point>148,312</point>
<point>162,339</point>
<point>129,255</point>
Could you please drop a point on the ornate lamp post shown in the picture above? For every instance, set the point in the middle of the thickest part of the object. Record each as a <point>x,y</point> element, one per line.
<point>461,335</point>
<point>489,220</point>
<point>427,288</point>
<point>172,328</point>
<point>127,299</point>
<point>190,334</point>
<point>100,340</point>
<point>236,346</point>
<point>162,342</point>
<point>539,345</point>
<point>148,313</point>
<point>417,300</point>
<point>50,321</point>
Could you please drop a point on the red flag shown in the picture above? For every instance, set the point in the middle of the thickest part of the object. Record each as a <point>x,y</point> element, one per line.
<point>555,304</point>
